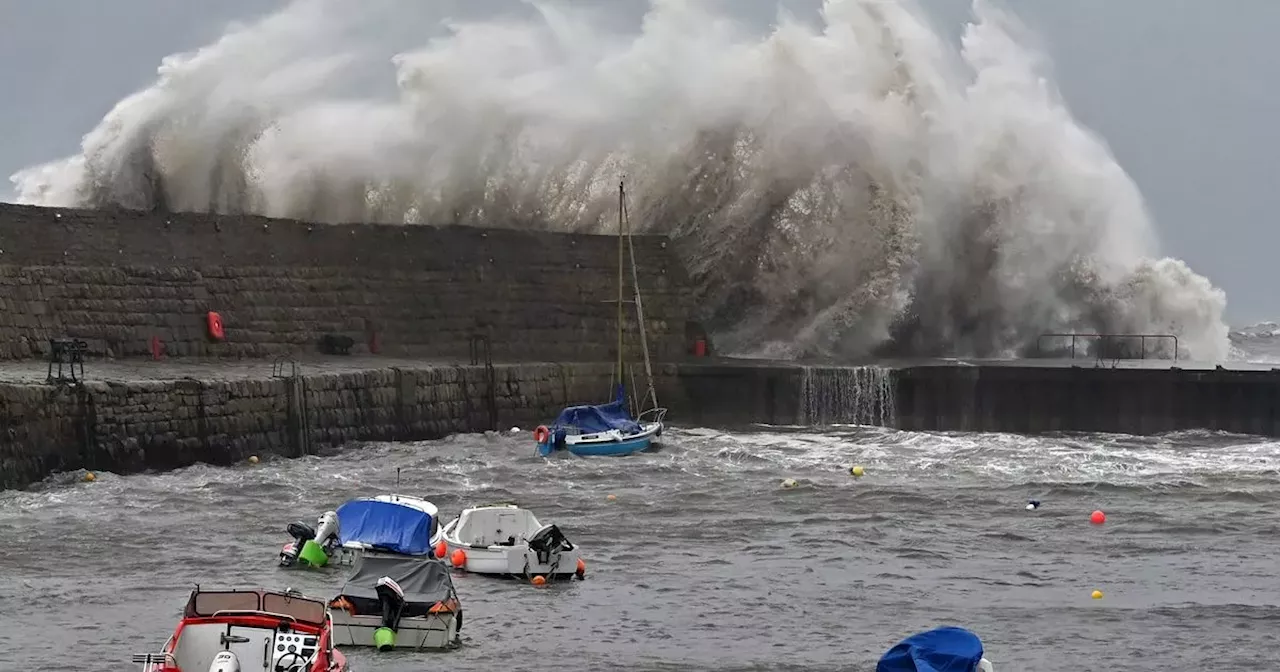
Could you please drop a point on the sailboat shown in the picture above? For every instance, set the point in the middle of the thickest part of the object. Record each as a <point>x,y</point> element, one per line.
<point>610,428</point>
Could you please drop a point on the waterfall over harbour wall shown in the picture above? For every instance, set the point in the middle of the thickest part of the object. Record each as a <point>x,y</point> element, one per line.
<point>858,395</point>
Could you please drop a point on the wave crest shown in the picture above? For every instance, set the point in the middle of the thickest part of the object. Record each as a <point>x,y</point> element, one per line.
<point>851,187</point>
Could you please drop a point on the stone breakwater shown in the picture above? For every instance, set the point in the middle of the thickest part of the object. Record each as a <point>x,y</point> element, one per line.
<point>123,280</point>
<point>122,424</point>
<point>132,416</point>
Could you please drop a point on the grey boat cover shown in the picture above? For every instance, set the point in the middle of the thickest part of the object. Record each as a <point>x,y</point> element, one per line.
<point>424,581</point>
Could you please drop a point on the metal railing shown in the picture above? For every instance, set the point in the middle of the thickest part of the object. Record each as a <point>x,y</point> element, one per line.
<point>1109,346</point>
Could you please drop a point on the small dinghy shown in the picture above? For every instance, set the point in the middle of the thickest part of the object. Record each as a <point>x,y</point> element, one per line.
<point>397,602</point>
<point>506,540</point>
<point>947,649</point>
<point>249,631</point>
<point>394,524</point>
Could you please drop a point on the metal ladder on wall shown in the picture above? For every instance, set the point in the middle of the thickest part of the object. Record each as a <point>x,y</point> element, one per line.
<point>480,351</point>
<point>297,412</point>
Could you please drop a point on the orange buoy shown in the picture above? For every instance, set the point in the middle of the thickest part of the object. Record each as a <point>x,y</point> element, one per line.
<point>214,323</point>
<point>538,580</point>
<point>582,569</point>
<point>1098,518</point>
<point>459,558</point>
<point>441,549</point>
<point>541,434</point>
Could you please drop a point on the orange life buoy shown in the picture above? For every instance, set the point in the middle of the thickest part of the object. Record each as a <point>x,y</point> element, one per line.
<point>541,434</point>
<point>214,322</point>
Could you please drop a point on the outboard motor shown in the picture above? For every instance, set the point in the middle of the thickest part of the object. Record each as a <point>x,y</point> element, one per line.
<point>311,546</point>
<point>225,661</point>
<point>327,531</point>
<point>301,533</point>
<point>391,596</point>
<point>548,540</point>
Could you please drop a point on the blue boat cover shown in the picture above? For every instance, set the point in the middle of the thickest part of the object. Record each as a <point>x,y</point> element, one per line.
<point>386,525</point>
<point>600,418</point>
<point>947,649</point>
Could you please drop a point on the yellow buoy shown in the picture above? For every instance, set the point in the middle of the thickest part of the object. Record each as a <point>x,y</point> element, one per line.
<point>1097,594</point>
<point>790,482</point>
<point>856,471</point>
<point>253,459</point>
<point>89,477</point>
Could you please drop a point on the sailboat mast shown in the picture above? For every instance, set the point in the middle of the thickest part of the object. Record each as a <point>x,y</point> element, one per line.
<point>621,197</point>
<point>635,283</point>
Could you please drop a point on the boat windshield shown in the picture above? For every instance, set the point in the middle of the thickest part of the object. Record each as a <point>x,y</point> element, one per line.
<point>208,603</point>
<point>301,608</point>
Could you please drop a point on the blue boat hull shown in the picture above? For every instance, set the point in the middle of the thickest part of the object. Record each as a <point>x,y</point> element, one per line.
<point>625,446</point>
<point>603,429</point>
<point>611,448</point>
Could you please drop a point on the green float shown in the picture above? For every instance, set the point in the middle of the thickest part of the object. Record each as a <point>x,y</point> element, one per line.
<point>384,639</point>
<point>312,554</point>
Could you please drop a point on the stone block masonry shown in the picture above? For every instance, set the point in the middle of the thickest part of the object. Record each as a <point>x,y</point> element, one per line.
<point>118,279</point>
<point>120,423</point>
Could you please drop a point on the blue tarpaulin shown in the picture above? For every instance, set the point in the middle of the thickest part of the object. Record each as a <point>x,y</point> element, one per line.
<point>386,525</point>
<point>600,418</point>
<point>947,649</point>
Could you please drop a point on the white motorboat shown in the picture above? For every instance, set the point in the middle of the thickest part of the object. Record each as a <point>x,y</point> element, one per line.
<point>385,524</point>
<point>504,539</point>
<point>397,602</point>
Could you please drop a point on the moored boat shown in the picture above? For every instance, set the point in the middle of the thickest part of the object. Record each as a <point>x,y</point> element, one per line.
<point>393,524</point>
<point>397,602</point>
<point>604,429</point>
<point>246,631</point>
<point>610,428</point>
<point>506,540</point>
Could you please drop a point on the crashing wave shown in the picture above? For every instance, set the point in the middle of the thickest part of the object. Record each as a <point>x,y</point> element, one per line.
<point>848,187</point>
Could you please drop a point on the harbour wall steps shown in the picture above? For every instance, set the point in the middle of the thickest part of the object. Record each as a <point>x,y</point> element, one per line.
<point>133,416</point>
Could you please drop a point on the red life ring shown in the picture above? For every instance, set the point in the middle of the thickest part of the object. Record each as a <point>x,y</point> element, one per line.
<point>541,434</point>
<point>214,322</point>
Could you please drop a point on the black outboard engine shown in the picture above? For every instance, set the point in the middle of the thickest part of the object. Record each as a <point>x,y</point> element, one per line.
<point>547,540</point>
<point>301,533</point>
<point>391,597</point>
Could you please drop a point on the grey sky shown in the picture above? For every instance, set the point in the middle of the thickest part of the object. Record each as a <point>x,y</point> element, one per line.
<point>1183,92</point>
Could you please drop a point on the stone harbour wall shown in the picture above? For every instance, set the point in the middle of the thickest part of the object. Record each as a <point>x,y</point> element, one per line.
<point>139,425</point>
<point>119,279</point>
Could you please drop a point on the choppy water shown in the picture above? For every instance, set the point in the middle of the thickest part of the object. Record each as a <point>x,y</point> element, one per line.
<point>703,561</point>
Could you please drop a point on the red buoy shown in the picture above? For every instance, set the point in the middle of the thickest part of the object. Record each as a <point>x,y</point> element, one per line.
<point>1098,518</point>
<point>213,322</point>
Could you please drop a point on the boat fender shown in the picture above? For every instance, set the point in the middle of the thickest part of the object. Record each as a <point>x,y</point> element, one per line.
<point>541,434</point>
<point>225,661</point>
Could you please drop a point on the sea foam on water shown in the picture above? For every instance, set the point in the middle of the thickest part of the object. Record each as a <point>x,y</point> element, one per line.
<point>849,186</point>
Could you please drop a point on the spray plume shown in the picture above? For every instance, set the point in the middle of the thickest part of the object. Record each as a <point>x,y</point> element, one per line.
<point>846,188</point>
